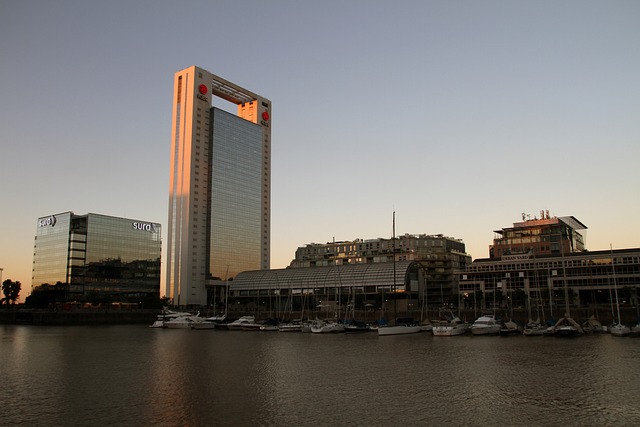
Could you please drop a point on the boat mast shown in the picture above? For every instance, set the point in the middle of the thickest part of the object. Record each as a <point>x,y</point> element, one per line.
<point>564,277</point>
<point>395,300</point>
<point>615,286</point>
<point>226,292</point>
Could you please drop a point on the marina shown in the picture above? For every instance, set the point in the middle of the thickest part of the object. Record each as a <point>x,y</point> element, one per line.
<point>448,324</point>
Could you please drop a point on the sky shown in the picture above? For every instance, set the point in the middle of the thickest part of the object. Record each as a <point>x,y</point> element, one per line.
<point>457,115</point>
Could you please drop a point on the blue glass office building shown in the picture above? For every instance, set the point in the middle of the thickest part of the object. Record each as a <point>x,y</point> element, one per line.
<point>97,255</point>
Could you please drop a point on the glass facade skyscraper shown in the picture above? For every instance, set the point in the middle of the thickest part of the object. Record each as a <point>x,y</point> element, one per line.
<point>235,220</point>
<point>97,254</point>
<point>220,186</point>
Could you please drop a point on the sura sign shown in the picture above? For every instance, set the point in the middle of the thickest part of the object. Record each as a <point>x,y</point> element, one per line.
<point>143,226</point>
<point>49,221</point>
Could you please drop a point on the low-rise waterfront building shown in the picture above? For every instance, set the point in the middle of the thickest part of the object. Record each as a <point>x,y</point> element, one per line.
<point>440,258</point>
<point>360,274</point>
<point>97,254</point>
<point>327,291</point>
<point>590,278</point>
<point>545,262</point>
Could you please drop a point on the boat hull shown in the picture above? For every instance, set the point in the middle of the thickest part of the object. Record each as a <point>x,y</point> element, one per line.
<point>290,328</point>
<point>327,328</point>
<point>566,331</point>
<point>449,331</point>
<point>203,325</point>
<point>619,330</point>
<point>398,330</point>
<point>485,330</point>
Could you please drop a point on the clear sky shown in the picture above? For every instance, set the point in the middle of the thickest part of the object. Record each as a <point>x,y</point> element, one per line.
<point>458,115</point>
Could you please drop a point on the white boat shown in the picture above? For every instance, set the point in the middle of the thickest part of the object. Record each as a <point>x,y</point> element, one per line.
<point>486,325</point>
<point>251,326</point>
<point>290,327</point>
<point>216,319</point>
<point>209,322</point>
<point>183,322</point>
<point>399,329</point>
<point>166,316</point>
<point>449,325</point>
<point>619,330</point>
<point>323,327</point>
<point>205,324</point>
<point>510,328</point>
<point>449,328</point>
<point>402,326</point>
<point>534,329</point>
<point>236,325</point>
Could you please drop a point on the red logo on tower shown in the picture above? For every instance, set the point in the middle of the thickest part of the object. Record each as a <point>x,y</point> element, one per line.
<point>265,116</point>
<point>203,89</point>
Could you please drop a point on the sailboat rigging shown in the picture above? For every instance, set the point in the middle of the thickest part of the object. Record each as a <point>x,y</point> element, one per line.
<point>617,329</point>
<point>398,328</point>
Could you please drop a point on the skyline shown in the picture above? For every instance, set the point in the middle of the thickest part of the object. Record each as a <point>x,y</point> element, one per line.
<point>458,116</point>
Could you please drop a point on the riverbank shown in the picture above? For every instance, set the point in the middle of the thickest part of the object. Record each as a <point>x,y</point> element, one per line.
<point>77,317</point>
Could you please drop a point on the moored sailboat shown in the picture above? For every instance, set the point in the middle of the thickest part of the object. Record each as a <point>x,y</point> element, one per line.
<point>567,327</point>
<point>593,326</point>
<point>325,327</point>
<point>534,329</point>
<point>401,327</point>
<point>617,329</point>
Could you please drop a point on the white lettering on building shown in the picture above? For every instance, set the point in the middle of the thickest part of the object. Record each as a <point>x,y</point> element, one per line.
<point>515,257</point>
<point>143,226</point>
<point>49,221</point>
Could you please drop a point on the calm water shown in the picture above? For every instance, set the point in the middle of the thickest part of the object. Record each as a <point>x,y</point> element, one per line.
<point>133,375</point>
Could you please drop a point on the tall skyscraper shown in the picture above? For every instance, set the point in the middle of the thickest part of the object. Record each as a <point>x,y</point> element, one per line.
<point>220,185</point>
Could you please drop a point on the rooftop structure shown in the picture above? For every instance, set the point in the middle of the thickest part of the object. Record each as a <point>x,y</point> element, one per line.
<point>539,236</point>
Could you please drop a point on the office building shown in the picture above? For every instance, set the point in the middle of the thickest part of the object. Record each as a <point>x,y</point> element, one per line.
<point>219,193</point>
<point>96,254</point>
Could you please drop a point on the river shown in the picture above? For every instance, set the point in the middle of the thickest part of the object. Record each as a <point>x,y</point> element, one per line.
<point>131,375</point>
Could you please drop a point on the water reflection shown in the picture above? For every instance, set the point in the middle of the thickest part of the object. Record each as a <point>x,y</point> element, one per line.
<point>132,375</point>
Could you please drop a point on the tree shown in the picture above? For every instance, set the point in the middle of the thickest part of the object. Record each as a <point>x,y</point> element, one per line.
<point>11,291</point>
<point>46,295</point>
